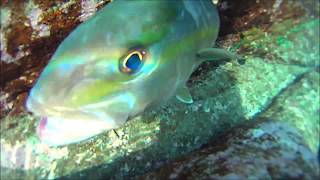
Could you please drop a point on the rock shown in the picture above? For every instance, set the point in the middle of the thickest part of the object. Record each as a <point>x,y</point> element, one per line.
<point>299,105</point>
<point>270,76</point>
<point>261,149</point>
<point>281,142</point>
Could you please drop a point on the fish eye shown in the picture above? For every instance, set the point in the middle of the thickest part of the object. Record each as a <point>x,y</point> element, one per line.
<point>133,62</point>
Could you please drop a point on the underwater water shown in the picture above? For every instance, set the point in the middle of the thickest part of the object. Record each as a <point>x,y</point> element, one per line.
<point>253,117</point>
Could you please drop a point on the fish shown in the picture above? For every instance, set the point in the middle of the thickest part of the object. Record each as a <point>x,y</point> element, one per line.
<point>130,56</point>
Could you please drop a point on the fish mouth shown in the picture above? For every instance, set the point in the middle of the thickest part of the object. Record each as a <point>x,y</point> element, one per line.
<point>70,127</point>
<point>57,131</point>
<point>61,125</point>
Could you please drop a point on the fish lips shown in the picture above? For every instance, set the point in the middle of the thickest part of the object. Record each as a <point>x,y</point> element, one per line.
<point>74,126</point>
<point>57,131</point>
<point>61,125</point>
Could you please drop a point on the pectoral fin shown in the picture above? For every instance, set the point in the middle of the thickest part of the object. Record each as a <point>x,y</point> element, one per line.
<point>211,54</point>
<point>184,95</point>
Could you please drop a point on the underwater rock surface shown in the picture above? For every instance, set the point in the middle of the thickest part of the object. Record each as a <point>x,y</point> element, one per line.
<point>261,149</point>
<point>269,100</point>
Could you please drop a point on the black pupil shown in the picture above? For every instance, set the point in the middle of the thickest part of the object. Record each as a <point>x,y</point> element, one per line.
<point>134,62</point>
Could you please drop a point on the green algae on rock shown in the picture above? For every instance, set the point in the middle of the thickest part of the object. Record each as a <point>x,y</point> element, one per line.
<point>294,45</point>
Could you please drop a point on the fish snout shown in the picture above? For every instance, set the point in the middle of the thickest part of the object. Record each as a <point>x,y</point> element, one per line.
<point>48,102</point>
<point>40,105</point>
<point>34,105</point>
<point>53,88</point>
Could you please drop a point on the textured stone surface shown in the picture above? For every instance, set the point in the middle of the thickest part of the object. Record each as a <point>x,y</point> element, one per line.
<point>277,79</point>
<point>299,105</point>
<point>261,149</point>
